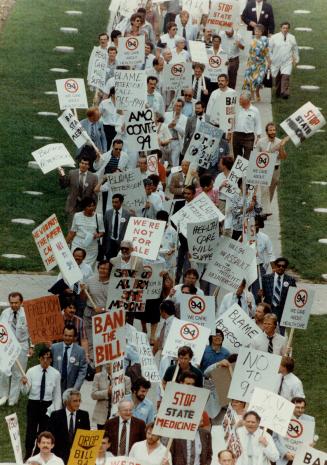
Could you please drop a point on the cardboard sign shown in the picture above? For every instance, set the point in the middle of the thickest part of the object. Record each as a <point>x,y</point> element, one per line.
<point>130,89</point>
<point>97,68</point>
<point>148,365</point>
<point>184,333</point>
<point>198,309</point>
<point>238,171</point>
<point>123,460</point>
<point>203,145</point>
<point>126,290</point>
<point>306,455</point>
<point>152,164</point>
<point>74,128</point>
<point>261,168</point>
<point>196,8</point>
<point>177,76</point>
<point>130,185</point>
<point>275,411</point>
<point>69,269</point>
<point>131,50</point>
<point>71,93</point>
<point>223,15</point>
<point>49,228</point>
<point>254,369</point>
<point>231,437</point>
<point>153,291</point>
<point>202,239</point>
<point>216,65</point>
<point>109,339</point>
<point>299,433</point>
<point>9,348</point>
<point>221,377</point>
<point>229,264</point>
<point>238,328</point>
<point>198,51</point>
<point>44,319</point>
<point>85,447</point>
<point>13,428</point>
<point>52,156</point>
<point>297,307</point>
<point>141,130</point>
<point>199,209</point>
<point>224,109</point>
<point>180,411</point>
<point>303,123</point>
<point>146,235</point>
<point>118,384</point>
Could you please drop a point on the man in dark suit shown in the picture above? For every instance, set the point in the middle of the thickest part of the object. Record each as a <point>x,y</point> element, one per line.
<point>69,359</point>
<point>63,423</point>
<point>115,223</point>
<point>178,180</point>
<point>275,287</point>
<point>259,12</point>
<point>124,426</point>
<point>201,85</point>
<point>179,450</point>
<point>192,122</point>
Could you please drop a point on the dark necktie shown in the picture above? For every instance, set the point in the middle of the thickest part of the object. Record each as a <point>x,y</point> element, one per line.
<point>284,38</point>
<point>270,344</point>
<point>64,364</point>
<point>184,32</point>
<point>195,90</point>
<point>75,288</point>
<point>123,436</point>
<point>14,321</point>
<point>93,132</point>
<point>71,428</point>
<point>116,224</point>
<point>281,385</point>
<point>277,292</point>
<point>42,388</point>
<point>81,185</point>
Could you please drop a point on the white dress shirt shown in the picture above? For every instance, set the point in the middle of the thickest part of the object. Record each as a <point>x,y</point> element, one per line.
<point>120,211</point>
<point>53,460</point>
<point>229,44</point>
<point>248,121</point>
<point>261,342</point>
<point>52,385</point>
<point>231,299</point>
<point>108,112</point>
<point>265,253</point>
<point>291,386</point>
<point>261,455</point>
<point>139,451</point>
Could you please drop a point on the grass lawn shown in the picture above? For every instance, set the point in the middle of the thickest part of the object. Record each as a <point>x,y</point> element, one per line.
<point>26,55</point>
<point>301,226</point>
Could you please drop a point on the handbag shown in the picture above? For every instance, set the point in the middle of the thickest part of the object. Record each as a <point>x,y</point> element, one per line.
<point>267,80</point>
<point>101,250</point>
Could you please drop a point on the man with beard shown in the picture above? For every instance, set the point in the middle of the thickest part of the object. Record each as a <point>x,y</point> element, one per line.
<point>192,123</point>
<point>143,407</point>
<point>216,108</point>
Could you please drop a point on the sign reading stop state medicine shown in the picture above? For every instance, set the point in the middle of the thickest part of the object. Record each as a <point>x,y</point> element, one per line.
<point>146,235</point>
<point>74,128</point>
<point>303,123</point>
<point>184,333</point>
<point>51,156</point>
<point>299,433</point>
<point>180,411</point>
<point>9,348</point>
<point>131,50</point>
<point>198,309</point>
<point>223,15</point>
<point>71,93</point>
<point>306,455</point>
<point>297,308</point>
<point>109,337</point>
<point>177,76</point>
<point>261,167</point>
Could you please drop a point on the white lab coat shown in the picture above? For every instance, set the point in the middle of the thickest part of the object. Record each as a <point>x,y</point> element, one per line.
<point>282,53</point>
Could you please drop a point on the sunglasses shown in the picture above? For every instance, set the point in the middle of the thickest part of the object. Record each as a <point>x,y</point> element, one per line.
<point>126,249</point>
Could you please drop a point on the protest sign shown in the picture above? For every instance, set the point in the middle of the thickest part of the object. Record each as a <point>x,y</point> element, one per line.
<point>73,128</point>
<point>70,270</point>
<point>204,143</point>
<point>52,156</point>
<point>177,76</point>
<point>184,333</point>
<point>148,365</point>
<point>180,411</point>
<point>123,460</point>
<point>131,50</point>
<point>198,51</point>
<point>297,307</point>
<point>261,168</point>
<point>196,8</point>
<point>299,433</point>
<point>141,130</point>
<point>254,369</point>
<point>50,227</point>
<point>97,68</point>
<point>198,309</point>
<point>44,319</point>
<point>146,235</point>
<point>199,209</point>
<point>221,377</point>
<point>275,411</point>
<point>223,15</point>
<point>216,65</point>
<point>71,93</point>
<point>303,123</point>
<point>238,171</point>
<point>108,333</point>
<point>231,437</point>
<point>131,90</point>
<point>238,328</point>
<point>85,447</point>
<point>202,238</point>
<point>230,264</point>
<point>9,348</point>
<point>13,428</point>
<point>126,289</point>
<point>307,455</point>
<point>130,185</point>
<point>153,291</point>
<point>152,164</point>
<point>117,383</point>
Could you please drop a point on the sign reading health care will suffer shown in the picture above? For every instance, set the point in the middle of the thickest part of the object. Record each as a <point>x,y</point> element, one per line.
<point>131,50</point>
<point>49,228</point>
<point>109,337</point>
<point>130,88</point>
<point>52,156</point>
<point>96,76</point>
<point>203,145</point>
<point>177,76</point>
<point>9,348</point>
<point>146,235</point>
<point>184,333</point>
<point>261,168</point>
<point>71,93</point>
<point>297,308</point>
<point>198,309</point>
<point>303,123</point>
<point>74,128</point>
<point>202,239</point>
<point>180,411</point>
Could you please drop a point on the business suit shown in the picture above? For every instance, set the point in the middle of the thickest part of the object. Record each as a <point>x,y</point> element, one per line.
<point>179,450</point>
<point>204,98</point>
<point>99,139</point>
<point>137,433</point>
<point>71,180</point>
<point>58,426</point>
<point>136,263</point>
<point>111,245</point>
<point>76,365</point>
<point>266,17</point>
<point>268,291</point>
<point>190,129</point>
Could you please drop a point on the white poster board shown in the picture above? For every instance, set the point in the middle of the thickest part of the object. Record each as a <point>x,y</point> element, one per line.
<point>10,348</point>
<point>97,68</point>
<point>202,239</point>
<point>146,235</point>
<point>261,168</point>
<point>131,50</point>
<point>70,270</point>
<point>49,228</point>
<point>131,90</point>
<point>130,185</point>
<point>52,156</point>
<point>297,307</point>
<point>126,289</point>
<point>74,128</point>
<point>299,433</point>
<point>223,15</point>
<point>71,93</point>
<point>118,384</point>
<point>148,366</point>
<point>198,52</point>
<point>109,338</point>
<point>196,8</point>
<point>204,143</point>
<point>216,65</point>
<point>152,164</point>
<point>198,309</point>
<point>153,291</point>
<point>177,76</point>
<point>307,455</point>
<point>13,428</point>
<point>141,130</point>
<point>238,171</point>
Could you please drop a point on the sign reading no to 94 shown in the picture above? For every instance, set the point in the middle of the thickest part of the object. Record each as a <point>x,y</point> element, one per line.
<point>189,332</point>
<point>197,305</point>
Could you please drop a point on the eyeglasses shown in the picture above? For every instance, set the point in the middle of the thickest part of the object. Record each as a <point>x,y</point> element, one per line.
<point>126,249</point>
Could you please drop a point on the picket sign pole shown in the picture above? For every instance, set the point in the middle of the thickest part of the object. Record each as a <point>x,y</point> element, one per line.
<point>90,298</point>
<point>75,113</point>
<point>260,280</point>
<point>230,369</point>
<point>289,342</point>
<point>243,207</point>
<point>21,369</point>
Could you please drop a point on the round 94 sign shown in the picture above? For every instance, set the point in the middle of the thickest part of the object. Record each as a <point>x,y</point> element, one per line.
<point>301,298</point>
<point>295,429</point>
<point>3,335</point>
<point>189,332</point>
<point>197,305</point>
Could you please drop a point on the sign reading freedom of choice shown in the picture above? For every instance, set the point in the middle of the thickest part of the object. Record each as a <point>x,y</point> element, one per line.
<point>180,411</point>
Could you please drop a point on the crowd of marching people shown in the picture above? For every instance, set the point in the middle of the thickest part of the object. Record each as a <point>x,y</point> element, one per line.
<point>97,222</point>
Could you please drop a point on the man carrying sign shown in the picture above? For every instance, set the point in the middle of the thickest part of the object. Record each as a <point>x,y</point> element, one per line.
<point>184,357</point>
<point>46,442</point>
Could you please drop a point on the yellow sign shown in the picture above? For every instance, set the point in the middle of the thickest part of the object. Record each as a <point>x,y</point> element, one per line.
<point>85,447</point>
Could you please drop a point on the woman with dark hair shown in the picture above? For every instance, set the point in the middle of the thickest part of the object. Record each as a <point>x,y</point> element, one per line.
<point>86,230</point>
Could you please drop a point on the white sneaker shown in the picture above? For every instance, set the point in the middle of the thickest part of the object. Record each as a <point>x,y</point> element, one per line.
<point>3,400</point>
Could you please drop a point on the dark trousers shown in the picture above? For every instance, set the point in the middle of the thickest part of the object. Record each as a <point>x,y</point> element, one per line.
<point>110,133</point>
<point>236,235</point>
<point>37,421</point>
<point>183,262</point>
<point>282,84</point>
<point>243,144</point>
<point>233,65</point>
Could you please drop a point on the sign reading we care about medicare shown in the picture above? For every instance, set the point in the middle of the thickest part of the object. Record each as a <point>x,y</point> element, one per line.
<point>131,50</point>
<point>297,308</point>
<point>71,93</point>
<point>198,309</point>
